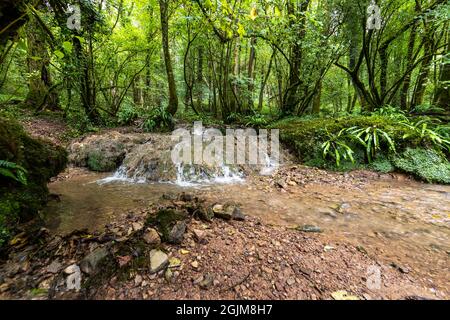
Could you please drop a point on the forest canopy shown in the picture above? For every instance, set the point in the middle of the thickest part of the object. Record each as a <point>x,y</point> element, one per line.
<point>223,57</point>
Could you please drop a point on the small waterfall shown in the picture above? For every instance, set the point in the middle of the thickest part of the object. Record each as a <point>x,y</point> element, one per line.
<point>189,175</point>
<point>121,176</point>
<point>269,167</point>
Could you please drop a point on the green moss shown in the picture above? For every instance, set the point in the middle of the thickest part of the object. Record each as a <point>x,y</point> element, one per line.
<point>41,159</point>
<point>425,164</point>
<point>98,162</point>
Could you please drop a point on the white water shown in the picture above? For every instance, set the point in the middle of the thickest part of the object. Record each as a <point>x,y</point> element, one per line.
<point>188,177</point>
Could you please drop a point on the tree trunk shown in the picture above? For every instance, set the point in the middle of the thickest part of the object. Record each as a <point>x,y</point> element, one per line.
<point>442,94</point>
<point>251,66</point>
<point>173,98</point>
<point>291,98</point>
<point>40,94</point>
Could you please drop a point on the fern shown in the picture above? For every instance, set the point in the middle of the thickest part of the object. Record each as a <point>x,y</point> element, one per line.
<point>336,148</point>
<point>13,171</point>
<point>371,138</point>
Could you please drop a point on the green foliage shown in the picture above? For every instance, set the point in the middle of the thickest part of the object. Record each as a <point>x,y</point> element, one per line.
<point>257,120</point>
<point>425,164</point>
<point>428,136</point>
<point>391,112</point>
<point>427,108</point>
<point>159,120</point>
<point>371,138</point>
<point>127,114</point>
<point>337,148</point>
<point>307,136</point>
<point>13,171</point>
<point>382,164</point>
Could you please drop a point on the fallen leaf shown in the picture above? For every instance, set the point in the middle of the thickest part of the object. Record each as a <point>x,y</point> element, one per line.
<point>343,295</point>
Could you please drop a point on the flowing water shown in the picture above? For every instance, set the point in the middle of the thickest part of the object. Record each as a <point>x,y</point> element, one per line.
<point>404,222</point>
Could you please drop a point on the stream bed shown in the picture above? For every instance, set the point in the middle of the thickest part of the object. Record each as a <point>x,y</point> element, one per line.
<point>402,222</point>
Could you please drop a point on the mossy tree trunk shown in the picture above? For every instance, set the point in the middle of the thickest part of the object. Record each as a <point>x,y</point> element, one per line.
<point>40,94</point>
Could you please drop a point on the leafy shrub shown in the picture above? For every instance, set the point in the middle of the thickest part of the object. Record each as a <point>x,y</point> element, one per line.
<point>159,119</point>
<point>256,120</point>
<point>391,112</point>
<point>426,164</point>
<point>127,114</point>
<point>424,132</point>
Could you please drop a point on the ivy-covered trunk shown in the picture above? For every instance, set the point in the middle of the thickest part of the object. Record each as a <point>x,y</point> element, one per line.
<point>41,93</point>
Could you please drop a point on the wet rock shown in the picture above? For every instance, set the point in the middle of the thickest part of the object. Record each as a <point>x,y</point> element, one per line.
<point>309,228</point>
<point>158,261</point>
<point>91,262</point>
<point>103,152</point>
<point>151,237</point>
<point>177,232</point>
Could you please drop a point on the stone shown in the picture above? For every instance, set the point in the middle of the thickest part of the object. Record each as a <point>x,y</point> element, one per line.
<point>290,281</point>
<point>151,237</point>
<point>158,261</point>
<point>238,215</point>
<point>194,264</point>
<point>138,280</point>
<point>168,275</point>
<point>206,282</point>
<point>309,228</point>
<point>137,226</point>
<point>54,267</point>
<point>90,263</point>
<point>227,212</point>
<point>205,214</point>
<point>177,232</point>
<point>200,236</point>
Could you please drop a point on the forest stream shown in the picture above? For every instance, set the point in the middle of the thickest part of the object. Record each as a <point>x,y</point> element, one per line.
<point>399,221</point>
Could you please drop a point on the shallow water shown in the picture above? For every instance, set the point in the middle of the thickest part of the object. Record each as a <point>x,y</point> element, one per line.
<point>404,222</point>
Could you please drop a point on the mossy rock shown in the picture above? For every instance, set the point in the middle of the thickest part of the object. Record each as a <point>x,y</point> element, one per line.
<point>166,221</point>
<point>40,158</point>
<point>97,161</point>
<point>305,137</point>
